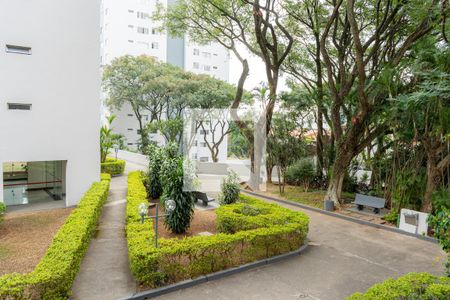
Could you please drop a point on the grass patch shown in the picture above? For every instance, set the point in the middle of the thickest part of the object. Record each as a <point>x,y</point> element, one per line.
<point>312,198</point>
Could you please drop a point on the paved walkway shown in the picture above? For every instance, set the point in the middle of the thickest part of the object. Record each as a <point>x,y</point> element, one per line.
<point>104,272</point>
<point>343,257</point>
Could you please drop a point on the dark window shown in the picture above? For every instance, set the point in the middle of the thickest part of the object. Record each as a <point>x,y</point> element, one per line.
<point>19,106</point>
<point>18,49</point>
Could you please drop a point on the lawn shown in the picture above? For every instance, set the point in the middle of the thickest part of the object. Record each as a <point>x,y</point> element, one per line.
<point>312,198</point>
<point>24,238</point>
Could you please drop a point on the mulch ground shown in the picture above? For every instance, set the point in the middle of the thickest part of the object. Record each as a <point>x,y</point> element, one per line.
<point>204,220</point>
<point>25,237</point>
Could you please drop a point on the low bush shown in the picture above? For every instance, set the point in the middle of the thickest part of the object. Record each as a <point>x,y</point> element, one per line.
<point>180,259</point>
<point>53,276</point>
<point>2,211</point>
<point>173,177</point>
<point>155,157</point>
<point>411,286</point>
<point>230,189</point>
<point>302,173</point>
<point>113,167</point>
<point>440,222</point>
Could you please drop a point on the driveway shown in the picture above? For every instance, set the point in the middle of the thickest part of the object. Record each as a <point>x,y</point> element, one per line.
<point>342,258</point>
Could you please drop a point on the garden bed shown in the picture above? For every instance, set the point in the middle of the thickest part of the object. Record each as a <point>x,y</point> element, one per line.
<point>203,221</point>
<point>246,231</point>
<point>24,238</point>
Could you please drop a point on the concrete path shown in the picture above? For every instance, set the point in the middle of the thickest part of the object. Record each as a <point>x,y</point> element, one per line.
<point>104,272</point>
<point>343,258</point>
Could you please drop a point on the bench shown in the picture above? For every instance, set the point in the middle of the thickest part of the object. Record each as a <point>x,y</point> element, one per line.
<point>203,197</point>
<point>364,200</point>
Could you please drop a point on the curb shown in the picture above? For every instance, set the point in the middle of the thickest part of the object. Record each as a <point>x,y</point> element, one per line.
<point>343,217</point>
<point>214,276</point>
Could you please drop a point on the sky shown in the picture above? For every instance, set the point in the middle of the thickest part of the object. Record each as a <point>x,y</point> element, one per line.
<point>257,71</point>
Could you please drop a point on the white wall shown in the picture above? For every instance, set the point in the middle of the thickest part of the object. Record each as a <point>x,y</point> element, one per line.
<point>61,79</point>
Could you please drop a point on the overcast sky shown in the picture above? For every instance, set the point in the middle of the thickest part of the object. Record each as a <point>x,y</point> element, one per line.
<point>257,71</point>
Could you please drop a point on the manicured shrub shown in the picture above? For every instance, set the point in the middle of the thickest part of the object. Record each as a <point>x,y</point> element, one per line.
<point>180,259</point>
<point>301,173</point>
<point>113,167</point>
<point>2,211</point>
<point>105,176</point>
<point>422,286</point>
<point>230,189</point>
<point>153,184</point>
<point>173,178</point>
<point>53,276</point>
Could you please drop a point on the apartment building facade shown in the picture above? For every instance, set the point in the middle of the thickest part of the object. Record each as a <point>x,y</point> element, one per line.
<point>127,29</point>
<point>49,100</point>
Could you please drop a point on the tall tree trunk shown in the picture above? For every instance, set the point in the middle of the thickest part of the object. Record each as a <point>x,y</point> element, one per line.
<point>432,178</point>
<point>340,166</point>
<point>269,168</point>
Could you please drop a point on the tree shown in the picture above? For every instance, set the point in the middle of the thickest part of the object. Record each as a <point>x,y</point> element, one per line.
<point>361,43</point>
<point>214,127</point>
<point>255,25</point>
<point>125,81</point>
<point>425,111</point>
<point>285,146</point>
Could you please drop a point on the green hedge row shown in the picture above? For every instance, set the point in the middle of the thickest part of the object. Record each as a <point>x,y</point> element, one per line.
<point>112,166</point>
<point>53,276</point>
<point>2,211</point>
<point>422,286</point>
<point>180,259</point>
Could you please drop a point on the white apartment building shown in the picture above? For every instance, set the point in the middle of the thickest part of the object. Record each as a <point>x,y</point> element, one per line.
<point>49,101</point>
<point>127,28</point>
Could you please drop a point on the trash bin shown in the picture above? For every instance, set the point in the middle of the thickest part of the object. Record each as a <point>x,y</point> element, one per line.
<point>329,205</point>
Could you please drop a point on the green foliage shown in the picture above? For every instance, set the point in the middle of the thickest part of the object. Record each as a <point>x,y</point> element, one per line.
<point>108,139</point>
<point>2,211</point>
<point>441,200</point>
<point>230,189</point>
<point>238,144</point>
<point>441,225</point>
<point>251,213</point>
<point>409,189</point>
<point>53,276</point>
<point>411,286</point>
<point>173,179</point>
<point>301,172</point>
<point>392,217</point>
<point>112,166</point>
<point>180,259</point>
<point>105,176</point>
<point>171,129</point>
<point>155,158</point>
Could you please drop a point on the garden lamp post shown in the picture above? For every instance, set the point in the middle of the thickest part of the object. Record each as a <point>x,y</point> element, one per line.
<point>170,206</point>
<point>116,149</point>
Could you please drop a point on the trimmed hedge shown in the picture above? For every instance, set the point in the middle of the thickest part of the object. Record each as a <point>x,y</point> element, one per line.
<point>53,276</point>
<point>180,259</point>
<point>2,211</point>
<point>112,166</point>
<point>422,286</point>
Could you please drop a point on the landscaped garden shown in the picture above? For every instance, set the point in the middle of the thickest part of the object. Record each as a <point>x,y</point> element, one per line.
<point>55,272</point>
<point>243,229</point>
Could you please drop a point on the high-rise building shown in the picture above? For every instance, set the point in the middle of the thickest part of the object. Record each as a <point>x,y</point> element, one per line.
<point>127,29</point>
<point>49,101</point>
